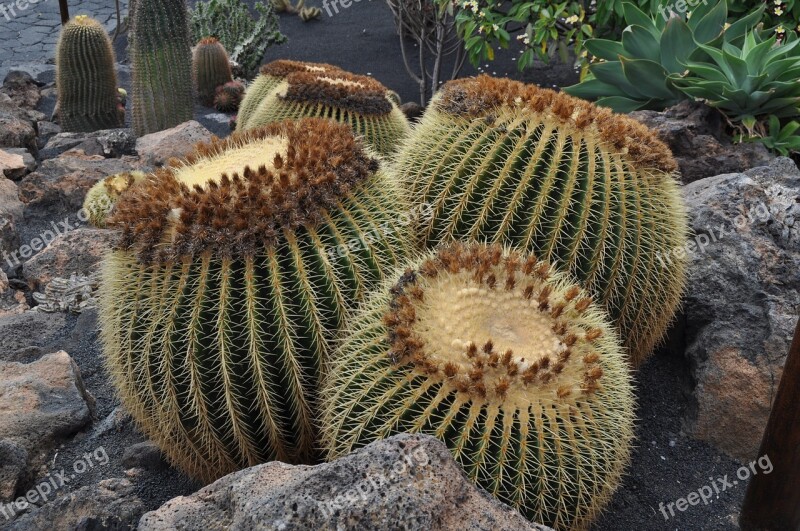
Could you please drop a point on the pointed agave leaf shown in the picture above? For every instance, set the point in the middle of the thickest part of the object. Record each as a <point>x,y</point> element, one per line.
<point>613,74</point>
<point>649,76</point>
<point>677,45</point>
<point>639,43</point>
<point>634,15</point>
<point>739,28</point>
<point>605,49</point>
<point>709,26</point>
<point>622,104</point>
<point>591,89</point>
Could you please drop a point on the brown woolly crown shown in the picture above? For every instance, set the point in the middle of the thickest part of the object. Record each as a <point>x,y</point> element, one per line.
<point>481,97</point>
<point>493,325</point>
<point>343,90</point>
<point>236,195</point>
<point>208,40</point>
<point>283,67</point>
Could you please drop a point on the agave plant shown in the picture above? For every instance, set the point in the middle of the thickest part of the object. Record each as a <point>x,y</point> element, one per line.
<point>638,72</point>
<point>747,81</point>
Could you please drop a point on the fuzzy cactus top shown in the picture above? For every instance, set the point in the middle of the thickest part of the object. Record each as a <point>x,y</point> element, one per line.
<point>484,95</point>
<point>233,195</point>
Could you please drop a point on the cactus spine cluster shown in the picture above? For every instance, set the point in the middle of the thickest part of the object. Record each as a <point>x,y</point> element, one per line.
<point>232,275</point>
<point>589,190</point>
<point>161,59</point>
<point>212,69</point>
<point>102,197</point>
<point>270,76</point>
<point>508,363</point>
<point>359,101</point>
<point>229,96</point>
<point>86,79</point>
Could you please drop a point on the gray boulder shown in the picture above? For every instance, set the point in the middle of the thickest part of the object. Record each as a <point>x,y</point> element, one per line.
<point>110,505</point>
<point>742,301</point>
<point>405,482</point>
<point>696,135</point>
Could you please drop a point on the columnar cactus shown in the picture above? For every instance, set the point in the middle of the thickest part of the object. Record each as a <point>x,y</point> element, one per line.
<point>271,74</point>
<point>233,273</point>
<point>359,101</point>
<point>589,190</point>
<point>508,363</point>
<point>86,79</point>
<point>212,69</point>
<point>161,61</point>
<point>102,197</point>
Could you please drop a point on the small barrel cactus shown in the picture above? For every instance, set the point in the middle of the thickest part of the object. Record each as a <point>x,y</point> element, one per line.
<point>102,197</point>
<point>359,101</point>
<point>86,78</point>
<point>212,69</point>
<point>232,276</point>
<point>229,97</point>
<point>505,361</point>
<point>591,191</point>
<point>270,76</point>
<point>161,62</point>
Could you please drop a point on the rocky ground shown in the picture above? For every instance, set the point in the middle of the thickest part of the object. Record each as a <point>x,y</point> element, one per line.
<point>703,399</point>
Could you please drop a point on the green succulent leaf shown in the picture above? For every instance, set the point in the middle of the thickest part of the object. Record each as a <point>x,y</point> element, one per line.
<point>605,49</point>
<point>649,75</point>
<point>708,26</point>
<point>677,45</point>
<point>640,43</point>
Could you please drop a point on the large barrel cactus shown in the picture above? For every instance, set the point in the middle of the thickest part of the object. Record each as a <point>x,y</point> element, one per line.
<point>211,68</point>
<point>505,361</point>
<point>271,74</point>
<point>86,79</point>
<point>233,273</point>
<point>589,190</point>
<point>161,60</point>
<point>359,101</point>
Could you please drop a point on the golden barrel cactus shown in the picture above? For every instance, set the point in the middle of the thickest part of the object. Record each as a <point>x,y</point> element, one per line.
<point>232,276</point>
<point>270,75</point>
<point>508,363</point>
<point>591,191</point>
<point>358,101</point>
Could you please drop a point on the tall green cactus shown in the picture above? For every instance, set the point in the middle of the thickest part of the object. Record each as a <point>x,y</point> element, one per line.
<point>232,276</point>
<point>272,74</point>
<point>211,68</point>
<point>589,190</point>
<point>86,79</point>
<point>161,60</point>
<point>359,101</point>
<point>505,361</point>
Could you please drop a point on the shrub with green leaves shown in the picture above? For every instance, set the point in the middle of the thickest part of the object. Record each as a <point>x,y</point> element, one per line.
<point>245,38</point>
<point>637,72</point>
<point>782,139</point>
